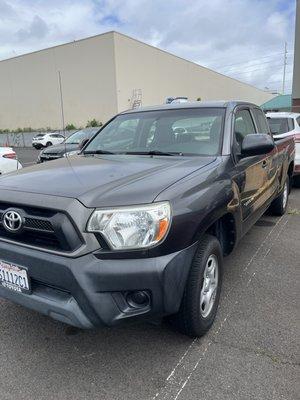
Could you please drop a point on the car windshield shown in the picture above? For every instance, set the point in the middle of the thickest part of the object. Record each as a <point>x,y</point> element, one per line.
<point>79,136</point>
<point>279,125</point>
<point>195,131</point>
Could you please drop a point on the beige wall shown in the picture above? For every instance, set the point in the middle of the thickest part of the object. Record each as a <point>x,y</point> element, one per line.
<point>98,78</point>
<point>29,94</point>
<point>296,75</point>
<point>160,74</point>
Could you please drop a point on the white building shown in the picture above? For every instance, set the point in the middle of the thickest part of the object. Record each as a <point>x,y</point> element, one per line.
<point>100,76</point>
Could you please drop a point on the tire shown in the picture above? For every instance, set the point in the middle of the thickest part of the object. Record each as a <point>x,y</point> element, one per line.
<point>196,315</point>
<point>279,206</point>
<point>296,181</point>
<point>48,144</point>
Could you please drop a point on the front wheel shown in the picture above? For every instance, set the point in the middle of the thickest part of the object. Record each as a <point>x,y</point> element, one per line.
<point>202,292</point>
<point>279,205</point>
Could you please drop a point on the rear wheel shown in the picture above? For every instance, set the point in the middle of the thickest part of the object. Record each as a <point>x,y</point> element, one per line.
<point>202,292</point>
<point>279,205</point>
<point>48,144</point>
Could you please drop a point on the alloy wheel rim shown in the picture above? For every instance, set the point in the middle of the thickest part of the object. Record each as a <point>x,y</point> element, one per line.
<point>209,286</point>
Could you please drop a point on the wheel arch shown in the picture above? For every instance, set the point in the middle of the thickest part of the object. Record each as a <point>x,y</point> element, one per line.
<point>225,229</point>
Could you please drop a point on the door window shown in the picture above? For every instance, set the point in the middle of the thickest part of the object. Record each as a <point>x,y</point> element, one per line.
<point>243,126</point>
<point>291,124</point>
<point>261,121</point>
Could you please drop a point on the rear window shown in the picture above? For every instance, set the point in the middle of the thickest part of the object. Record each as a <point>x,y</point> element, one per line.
<point>280,125</point>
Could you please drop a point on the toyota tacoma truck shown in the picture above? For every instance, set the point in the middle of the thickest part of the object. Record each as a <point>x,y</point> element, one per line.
<point>136,226</point>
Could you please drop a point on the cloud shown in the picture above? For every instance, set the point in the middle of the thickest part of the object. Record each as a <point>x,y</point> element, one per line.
<point>241,38</point>
<point>37,29</point>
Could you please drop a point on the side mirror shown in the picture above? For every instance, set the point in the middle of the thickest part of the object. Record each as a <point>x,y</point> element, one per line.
<point>83,143</point>
<point>256,144</point>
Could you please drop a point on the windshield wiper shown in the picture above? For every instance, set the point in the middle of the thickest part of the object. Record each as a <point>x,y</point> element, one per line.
<point>154,153</point>
<point>98,152</point>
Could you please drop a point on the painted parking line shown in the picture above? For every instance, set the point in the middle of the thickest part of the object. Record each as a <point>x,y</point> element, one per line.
<point>197,350</point>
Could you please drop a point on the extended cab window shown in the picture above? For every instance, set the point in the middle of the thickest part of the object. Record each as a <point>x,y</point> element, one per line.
<point>180,131</point>
<point>243,126</point>
<point>261,121</point>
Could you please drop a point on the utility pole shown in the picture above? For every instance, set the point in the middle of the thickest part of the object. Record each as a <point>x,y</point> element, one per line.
<point>284,66</point>
<point>61,102</point>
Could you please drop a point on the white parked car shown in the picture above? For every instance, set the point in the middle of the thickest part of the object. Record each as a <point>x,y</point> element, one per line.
<point>284,124</point>
<point>179,99</point>
<point>47,139</point>
<point>8,160</point>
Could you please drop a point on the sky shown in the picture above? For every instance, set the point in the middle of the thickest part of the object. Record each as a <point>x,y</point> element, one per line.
<point>243,39</point>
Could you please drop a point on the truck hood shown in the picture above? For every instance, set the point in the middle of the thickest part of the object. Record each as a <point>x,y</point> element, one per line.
<point>60,149</point>
<point>106,180</point>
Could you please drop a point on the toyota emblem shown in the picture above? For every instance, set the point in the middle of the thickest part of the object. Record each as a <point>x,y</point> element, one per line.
<point>12,221</point>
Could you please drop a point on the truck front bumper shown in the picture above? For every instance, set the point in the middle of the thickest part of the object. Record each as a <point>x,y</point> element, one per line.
<point>89,292</point>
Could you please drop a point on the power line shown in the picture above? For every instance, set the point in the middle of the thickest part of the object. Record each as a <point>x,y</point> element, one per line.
<point>279,80</point>
<point>253,65</point>
<point>253,70</point>
<point>255,59</point>
<point>226,58</point>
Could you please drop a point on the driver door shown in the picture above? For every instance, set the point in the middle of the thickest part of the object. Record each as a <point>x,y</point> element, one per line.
<point>251,174</point>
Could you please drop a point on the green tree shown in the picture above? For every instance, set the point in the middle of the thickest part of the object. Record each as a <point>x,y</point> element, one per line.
<point>93,123</point>
<point>70,127</point>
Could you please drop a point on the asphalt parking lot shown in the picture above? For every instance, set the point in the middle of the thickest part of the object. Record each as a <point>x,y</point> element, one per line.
<point>27,156</point>
<point>252,352</point>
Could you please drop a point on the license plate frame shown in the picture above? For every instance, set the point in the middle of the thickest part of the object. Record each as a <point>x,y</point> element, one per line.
<point>14,277</point>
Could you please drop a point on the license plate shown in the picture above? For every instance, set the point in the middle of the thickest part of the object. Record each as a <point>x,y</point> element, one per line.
<point>14,277</point>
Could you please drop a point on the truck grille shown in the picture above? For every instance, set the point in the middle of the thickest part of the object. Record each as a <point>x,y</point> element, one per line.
<point>43,228</point>
<point>38,224</point>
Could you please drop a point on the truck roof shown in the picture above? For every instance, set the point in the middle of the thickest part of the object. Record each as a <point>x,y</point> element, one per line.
<point>190,104</point>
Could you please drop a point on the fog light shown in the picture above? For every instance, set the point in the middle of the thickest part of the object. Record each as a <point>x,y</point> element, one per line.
<point>138,299</point>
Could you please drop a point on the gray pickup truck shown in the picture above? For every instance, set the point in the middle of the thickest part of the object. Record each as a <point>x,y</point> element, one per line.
<point>136,226</point>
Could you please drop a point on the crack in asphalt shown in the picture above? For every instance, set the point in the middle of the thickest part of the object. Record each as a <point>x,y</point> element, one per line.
<point>258,352</point>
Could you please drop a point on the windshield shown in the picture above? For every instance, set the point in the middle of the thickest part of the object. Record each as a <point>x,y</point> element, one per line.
<point>79,136</point>
<point>279,125</point>
<point>183,131</point>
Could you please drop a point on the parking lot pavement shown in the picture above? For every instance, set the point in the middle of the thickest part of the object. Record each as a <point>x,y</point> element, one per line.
<point>252,351</point>
<point>27,156</point>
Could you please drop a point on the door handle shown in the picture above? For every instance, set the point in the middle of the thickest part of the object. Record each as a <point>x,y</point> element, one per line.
<point>264,164</point>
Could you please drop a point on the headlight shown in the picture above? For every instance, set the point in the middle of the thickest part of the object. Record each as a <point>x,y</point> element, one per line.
<point>71,153</point>
<point>134,227</point>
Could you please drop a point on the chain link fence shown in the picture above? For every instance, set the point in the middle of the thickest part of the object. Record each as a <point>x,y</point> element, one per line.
<point>22,139</point>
